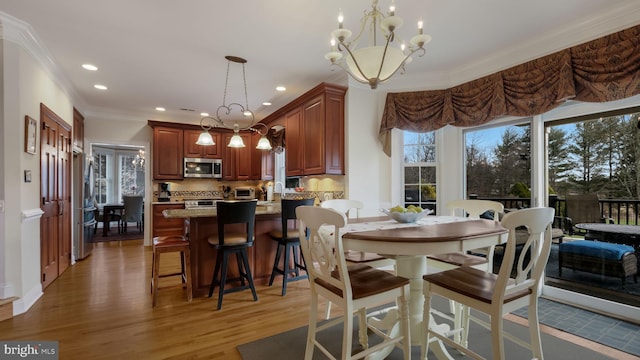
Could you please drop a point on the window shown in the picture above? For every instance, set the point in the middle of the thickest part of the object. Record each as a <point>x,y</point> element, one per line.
<point>420,169</point>
<point>498,164</point>
<point>117,172</point>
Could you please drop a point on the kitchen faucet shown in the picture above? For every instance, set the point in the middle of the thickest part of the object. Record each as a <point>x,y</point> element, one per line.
<point>275,186</point>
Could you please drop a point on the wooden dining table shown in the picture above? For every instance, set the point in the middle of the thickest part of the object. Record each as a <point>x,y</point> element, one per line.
<point>410,244</point>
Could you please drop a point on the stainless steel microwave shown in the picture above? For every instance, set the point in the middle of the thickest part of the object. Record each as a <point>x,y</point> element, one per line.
<point>202,168</point>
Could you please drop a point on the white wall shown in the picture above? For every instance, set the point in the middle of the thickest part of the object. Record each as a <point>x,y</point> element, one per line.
<point>26,85</point>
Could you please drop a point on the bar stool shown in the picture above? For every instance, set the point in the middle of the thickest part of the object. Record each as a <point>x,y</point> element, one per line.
<point>166,244</point>
<point>287,238</point>
<point>233,242</point>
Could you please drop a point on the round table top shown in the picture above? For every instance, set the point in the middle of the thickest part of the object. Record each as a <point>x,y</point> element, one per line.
<point>610,228</point>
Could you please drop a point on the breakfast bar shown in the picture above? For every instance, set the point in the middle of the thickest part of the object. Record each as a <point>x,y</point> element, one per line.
<point>201,223</point>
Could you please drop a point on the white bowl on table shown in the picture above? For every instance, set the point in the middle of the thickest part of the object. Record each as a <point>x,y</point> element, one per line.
<point>406,217</point>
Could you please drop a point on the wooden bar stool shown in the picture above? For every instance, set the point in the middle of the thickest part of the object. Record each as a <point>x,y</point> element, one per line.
<point>289,244</point>
<point>166,244</point>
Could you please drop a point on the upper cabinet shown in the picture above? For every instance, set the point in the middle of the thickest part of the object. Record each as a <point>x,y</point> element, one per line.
<point>262,161</point>
<point>237,161</point>
<point>314,134</point>
<point>167,152</point>
<point>78,131</point>
<point>193,150</point>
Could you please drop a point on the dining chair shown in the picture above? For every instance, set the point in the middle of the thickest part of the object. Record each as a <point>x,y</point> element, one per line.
<point>354,288</point>
<point>289,244</point>
<point>473,209</point>
<point>234,241</point>
<point>498,294</point>
<point>167,244</point>
<point>133,212</point>
<point>349,207</point>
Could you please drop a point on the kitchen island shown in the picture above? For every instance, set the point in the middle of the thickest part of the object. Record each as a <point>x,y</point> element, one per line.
<point>201,223</point>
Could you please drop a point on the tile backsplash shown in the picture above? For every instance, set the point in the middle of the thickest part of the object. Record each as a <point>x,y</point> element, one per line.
<point>319,187</point>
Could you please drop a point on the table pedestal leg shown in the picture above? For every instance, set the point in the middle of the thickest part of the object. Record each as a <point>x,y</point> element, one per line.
<point>412,268</point>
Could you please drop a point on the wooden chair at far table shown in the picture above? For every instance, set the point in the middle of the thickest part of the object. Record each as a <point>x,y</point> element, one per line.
<point>354,288</point>
<point>498,295</point>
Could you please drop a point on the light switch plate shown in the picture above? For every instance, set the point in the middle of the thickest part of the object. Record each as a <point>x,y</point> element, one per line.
<point>1,206</point>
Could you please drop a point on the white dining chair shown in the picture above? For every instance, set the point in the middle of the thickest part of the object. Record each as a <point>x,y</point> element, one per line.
<point>473,209</point>
<point>498,294</point>
<point>351,209</point>
<point>354,288</point>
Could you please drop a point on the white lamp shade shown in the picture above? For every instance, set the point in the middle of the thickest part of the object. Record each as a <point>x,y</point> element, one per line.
<point>205,139</point>
<point>369,60</point>
<point>236,141</point>
<point>263,144</point>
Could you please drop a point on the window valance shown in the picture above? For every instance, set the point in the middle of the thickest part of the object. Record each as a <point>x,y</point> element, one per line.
<point>604,69</point>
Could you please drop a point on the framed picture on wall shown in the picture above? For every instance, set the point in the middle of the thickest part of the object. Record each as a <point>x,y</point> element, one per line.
<point>30,129</point>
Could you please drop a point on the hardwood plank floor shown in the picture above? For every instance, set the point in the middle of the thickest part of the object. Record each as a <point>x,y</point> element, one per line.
<point>100,308</point>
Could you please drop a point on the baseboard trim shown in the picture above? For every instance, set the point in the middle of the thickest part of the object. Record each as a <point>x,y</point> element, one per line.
<point>26,302</point>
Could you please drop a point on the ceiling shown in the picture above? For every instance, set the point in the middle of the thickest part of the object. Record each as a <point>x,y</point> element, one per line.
<point>167,53</point>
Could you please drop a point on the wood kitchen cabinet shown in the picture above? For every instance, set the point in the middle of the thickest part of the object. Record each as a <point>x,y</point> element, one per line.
<point>166,226</point>
<point>262,161</point>
<point>314,134</point>
<point>167,153</point>
<point>236,163</point>
<point>78,131</point>
<point>193,150</point>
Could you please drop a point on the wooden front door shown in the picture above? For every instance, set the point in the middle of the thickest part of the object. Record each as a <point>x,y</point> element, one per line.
<point>55,192</point>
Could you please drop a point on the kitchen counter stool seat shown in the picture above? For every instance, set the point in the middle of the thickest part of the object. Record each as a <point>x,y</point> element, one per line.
<point>167,244</point>
<point>289,244</point>
<point>232,242</point>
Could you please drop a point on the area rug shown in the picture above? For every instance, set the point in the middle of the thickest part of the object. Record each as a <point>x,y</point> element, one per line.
<point>291,345</point>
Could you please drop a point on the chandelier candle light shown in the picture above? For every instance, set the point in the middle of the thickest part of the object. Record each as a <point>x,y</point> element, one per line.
<point>225,110</point>
<point>375,63</point>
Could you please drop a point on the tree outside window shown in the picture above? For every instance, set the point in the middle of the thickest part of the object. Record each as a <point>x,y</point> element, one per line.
<point>420,169</point>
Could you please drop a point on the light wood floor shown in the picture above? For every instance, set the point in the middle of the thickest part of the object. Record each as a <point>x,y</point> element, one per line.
<point>100,308</point>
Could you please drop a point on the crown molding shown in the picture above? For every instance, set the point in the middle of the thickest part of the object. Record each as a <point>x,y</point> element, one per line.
<point>22,34</point>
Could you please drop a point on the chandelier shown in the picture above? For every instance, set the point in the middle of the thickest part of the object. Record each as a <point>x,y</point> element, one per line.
<point>375,63</point>
<point>139,159</point>
<point>224,111</point>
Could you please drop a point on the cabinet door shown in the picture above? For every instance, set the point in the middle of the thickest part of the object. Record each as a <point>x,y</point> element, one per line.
<point>293,141</point>
<point>78,131</point>
<point>191,149</point>
<point>167,153</point>
<point>243,159</point>
<point>229,159</point>
<point>256,158</point>
<point>334,133</point>
<point>313,134</point>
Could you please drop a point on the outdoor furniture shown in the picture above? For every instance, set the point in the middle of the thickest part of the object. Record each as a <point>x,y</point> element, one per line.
<point>598,257</point>
<point>584,208</point>
<point>613,233</point>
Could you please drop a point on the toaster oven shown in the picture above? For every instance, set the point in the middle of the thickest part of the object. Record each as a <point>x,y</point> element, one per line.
<point>244,193</point>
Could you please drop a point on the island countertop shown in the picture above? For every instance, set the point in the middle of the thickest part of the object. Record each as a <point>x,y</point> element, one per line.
<point>212,212</point>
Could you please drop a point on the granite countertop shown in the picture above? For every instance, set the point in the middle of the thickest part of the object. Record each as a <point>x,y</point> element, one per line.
<point>209,212</point>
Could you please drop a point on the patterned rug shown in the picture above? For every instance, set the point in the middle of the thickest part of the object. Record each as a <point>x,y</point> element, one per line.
<point>132,234</point>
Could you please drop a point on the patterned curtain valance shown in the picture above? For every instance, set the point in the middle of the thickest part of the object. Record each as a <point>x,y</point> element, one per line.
<point>604,69</point>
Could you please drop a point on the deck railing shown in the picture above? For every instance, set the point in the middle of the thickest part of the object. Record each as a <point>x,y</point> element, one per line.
<point>622,211</point>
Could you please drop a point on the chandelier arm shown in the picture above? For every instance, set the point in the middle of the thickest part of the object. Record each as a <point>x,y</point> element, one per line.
<point>355,62</point>
<point>402,63</point>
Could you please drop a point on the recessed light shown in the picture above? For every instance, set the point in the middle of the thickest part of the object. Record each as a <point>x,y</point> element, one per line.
<point>90,67</point>
<point>204,114</point>
<point>281,88</point>
<point>266,103</point>
<point>100,87</point>
<point>160,108</point>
